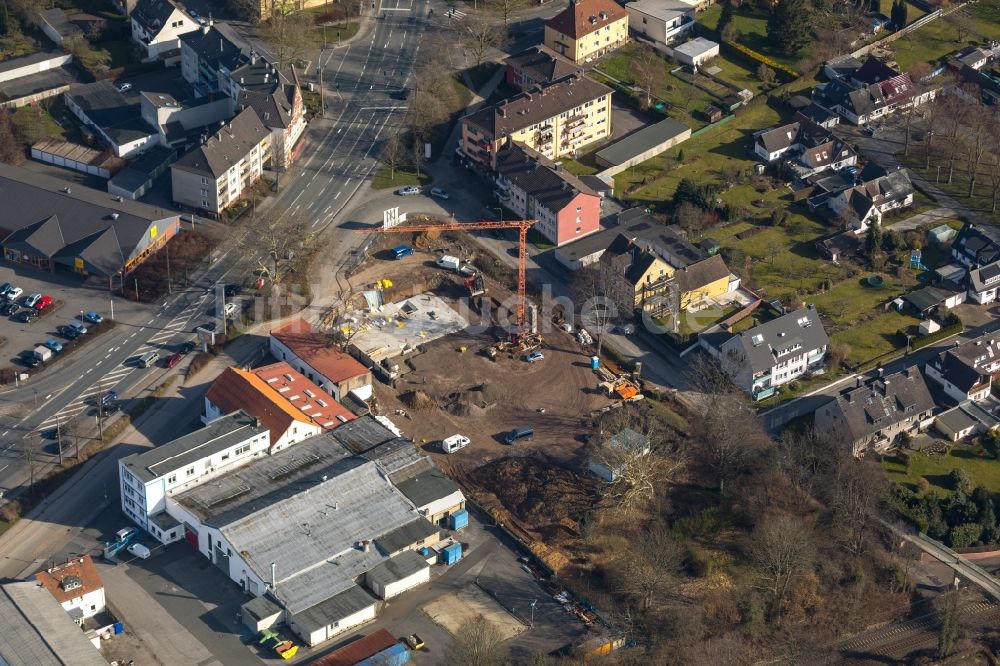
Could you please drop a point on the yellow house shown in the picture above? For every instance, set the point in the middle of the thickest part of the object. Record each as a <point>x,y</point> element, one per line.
<point>587,29</point>
<point>636,278</point>
<point>701,281</point>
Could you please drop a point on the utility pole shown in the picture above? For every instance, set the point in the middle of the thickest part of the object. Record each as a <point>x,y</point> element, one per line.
<point>30,462</point>
<point>136,290</point>
<point>535,601</point>
<point>169,289</point>
<point>59,440</point>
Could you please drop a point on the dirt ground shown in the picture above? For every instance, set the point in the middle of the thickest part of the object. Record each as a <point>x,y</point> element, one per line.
<point>451,611</point>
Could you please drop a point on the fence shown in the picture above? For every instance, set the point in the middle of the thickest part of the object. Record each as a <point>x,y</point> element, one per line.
<point>923,20</point>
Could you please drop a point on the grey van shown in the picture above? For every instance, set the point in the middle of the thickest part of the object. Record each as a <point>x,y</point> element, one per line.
<point>148,359</point>
<point>520,432</point>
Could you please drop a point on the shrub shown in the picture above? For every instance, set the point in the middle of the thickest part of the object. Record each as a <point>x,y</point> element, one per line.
<point>700,562</point>
<point>923,485</point>
<point>966,534</point>
<point>960,481</point>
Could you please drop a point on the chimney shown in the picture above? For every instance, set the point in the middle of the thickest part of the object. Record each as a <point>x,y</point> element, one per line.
<point>253,57</point>
<point>204,29</point>
<point>860,381</point>
<point>502,110</point>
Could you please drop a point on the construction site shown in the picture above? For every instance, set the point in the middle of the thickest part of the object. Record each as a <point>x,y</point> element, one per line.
<point>438,328</point>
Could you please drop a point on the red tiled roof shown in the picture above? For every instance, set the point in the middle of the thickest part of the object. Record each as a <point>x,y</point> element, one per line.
<point>318,351</point>
<point>585,16</point>
<point>303,395</point>
<point>239,389</point>
<point>81,567</point>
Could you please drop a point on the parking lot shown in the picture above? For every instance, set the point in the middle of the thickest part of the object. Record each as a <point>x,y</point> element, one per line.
<point>71,296</point>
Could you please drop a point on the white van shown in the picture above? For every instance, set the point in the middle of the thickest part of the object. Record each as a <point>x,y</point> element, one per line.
<point>139,551</point>
<point>454,443</point>
<point>148,359</point>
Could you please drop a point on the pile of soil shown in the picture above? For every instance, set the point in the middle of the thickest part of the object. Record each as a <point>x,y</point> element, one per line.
<point>536,492</point>
<point>473,402</point>
<point>418,400</point>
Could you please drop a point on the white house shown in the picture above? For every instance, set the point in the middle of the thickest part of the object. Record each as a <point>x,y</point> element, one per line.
<point>147,478</point>
<point>984,283</point>
<point>104,110</point>
<point>878,192</point>
<point>157,26</point>
<point>965,372</point>
<point>662,21</point>
<point>624,443</point>
<point>696,52</point>
<point>315,356</point>
<point>77,586</point>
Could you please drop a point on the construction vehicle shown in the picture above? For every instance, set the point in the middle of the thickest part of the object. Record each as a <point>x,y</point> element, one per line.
<point>476,285</point>
<point>123,538</point>
<point>522,227</point>
<point>620,386</point>
<point>284,649</point>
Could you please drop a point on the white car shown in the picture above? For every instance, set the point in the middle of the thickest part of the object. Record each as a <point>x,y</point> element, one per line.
<point>14,293</point>
<point>454,443</point>
<point>139,551</point>
<point>438,193</point>
<point>534,357</point>
<point>407,191</point>
<point>230,308</point>
<point>125,87</point>
<point>32,299</point>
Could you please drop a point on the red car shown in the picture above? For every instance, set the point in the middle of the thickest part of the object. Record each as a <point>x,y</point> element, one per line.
<point>43,302</point>
<point>173,360</point>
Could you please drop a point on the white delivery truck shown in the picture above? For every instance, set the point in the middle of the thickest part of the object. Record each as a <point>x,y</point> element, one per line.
<point>43,353</point>
<point>449,262</point>
<point>454,443</point>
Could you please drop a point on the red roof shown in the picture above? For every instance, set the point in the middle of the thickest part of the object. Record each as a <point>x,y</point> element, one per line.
<point>359,650</point>
<point>319,351</point>
<point>586,16</point>
<point>59,580</point>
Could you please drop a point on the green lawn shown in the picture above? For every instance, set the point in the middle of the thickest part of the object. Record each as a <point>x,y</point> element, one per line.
<point>581,167</point>
<point>403,176</point>
<point>874,337</point>
<point>751,30</point>
<point>982,471</point>
<point>331,34</point>
<point>982,199</point>
<point>736,73</point>
<point>4,526</point>
<point>938,38</point>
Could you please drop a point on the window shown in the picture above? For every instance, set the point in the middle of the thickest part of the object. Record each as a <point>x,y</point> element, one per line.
<point>190,471</point>
<point>204,181</point>
<point>225,457</point>
<point>242,449</point>
<point>172,478</point>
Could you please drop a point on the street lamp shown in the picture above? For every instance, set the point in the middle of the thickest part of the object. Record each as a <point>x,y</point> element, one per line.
<point>499,209</point>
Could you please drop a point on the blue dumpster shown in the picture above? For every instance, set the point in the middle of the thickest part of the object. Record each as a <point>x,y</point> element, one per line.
<point>451,554</point>
<point>458,520</point>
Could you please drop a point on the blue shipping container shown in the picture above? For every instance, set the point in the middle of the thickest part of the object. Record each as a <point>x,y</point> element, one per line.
<point>397,655</point>
<point>458,520</point>
<point>452,554</point>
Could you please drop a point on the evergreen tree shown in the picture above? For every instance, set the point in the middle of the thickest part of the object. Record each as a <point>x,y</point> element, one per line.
<point>873,239</point>
<point>788,26</point>
<point>4,18</point>
<point>904,10</point>
<point>726,18</point>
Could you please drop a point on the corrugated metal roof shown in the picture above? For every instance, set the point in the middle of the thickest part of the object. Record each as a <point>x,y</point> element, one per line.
<point>38,631</point>
<point>334,609</point>
<point>405,536</point>
<point>396,568</point>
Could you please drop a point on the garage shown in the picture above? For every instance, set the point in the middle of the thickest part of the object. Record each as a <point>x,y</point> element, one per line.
<point>398,574</point>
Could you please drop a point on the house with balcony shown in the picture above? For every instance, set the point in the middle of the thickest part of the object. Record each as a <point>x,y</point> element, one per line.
<point>216,174</point>
<point>984,282</point>
<point>209,55</point>
<point>871,93</point>
<point>877,193</point>
<point>769,355</point>
<point>555,119</point>
<point>965,371</point>
<point>157,26</point>
<point>873,415</point>
<point>587,29</point>
<point>535,187</point>
<point>276,96</point>
<point>636,277</point>
<point>660,21</point>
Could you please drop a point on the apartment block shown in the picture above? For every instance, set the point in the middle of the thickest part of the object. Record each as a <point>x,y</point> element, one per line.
<point>587,29</point>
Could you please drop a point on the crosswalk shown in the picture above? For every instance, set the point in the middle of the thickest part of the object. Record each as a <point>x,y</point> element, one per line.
<point>453,13</point>
<point>110,380</point>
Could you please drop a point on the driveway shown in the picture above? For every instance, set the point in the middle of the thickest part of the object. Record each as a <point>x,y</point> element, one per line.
<point>936,216</point>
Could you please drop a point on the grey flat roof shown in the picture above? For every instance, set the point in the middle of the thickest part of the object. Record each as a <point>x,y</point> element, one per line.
<point>696,47</point>
<point>261,607</point>
<point>37,631</point>
<point>635,224</point>
<point>217,436</point>
<point>641,141</point>
<point>334,609</point>
<point>397,568</point>
<point>406,535</point>
<point>164,521</point>
<point>363,434</point>
<point>395,455</point>
<point>427,487</point>
<point>30,59</point>
<point>956,420</point>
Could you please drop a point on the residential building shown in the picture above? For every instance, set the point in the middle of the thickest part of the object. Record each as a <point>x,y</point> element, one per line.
<point>973,247</point>
<point>975,57</point>
<point>105,112</point>
<point>965,371</point>
<point>182,122</point>
<point>660,21</point>
<point>818,114</point>
<point>534,187</point>
<point>537,65</point>
<point>699,284</point>
<point>613,452</point>
<point>316,356</point>
<point>966,419</point>
<point>555,119</point>
<point>928,301</point>
<point>637,278</point>
<point>791,140</point>
<point>50,223</point>
<point>209,55</point>
<point>77,587</point>
<point>984,282</point>
<point>587,29</point>
<point>769,355</point>
<point>148,478</point>
<point>696,52</point>
<point>55,24</point>
<point>876,194</point>
<point>157,26</point>
<point>215,175</point>
<point>281,398</point>
<point>36,630</point>
<point>860,103</point>
<point>277,99</point>
<point>873,415</point>
<point>987,85</point>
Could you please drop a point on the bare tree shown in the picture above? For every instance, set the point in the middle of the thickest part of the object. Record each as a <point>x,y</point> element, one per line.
<point>478,642</point>
<point>650,567</point>
<point>858,492</point>
<point>477,34</point>
<point>731,436</point>
<point>289,34</point>
<point>782,551</point>
<point>393,153</point>
<point>650,71</point>
<point>954,109</point>
<point>273,241</point>
<point>505,8</point>
<point>980,124</point>
<point>961,23</point>
<point>601,296</point>
<point>993,169</point>
<point>933,113</point>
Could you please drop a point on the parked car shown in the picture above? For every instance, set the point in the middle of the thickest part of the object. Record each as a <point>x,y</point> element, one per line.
<point>172,360</point>
<point>53,345</point>
<point>139,551</point>
<point>26,316</point>
<point>438,193</point>
<point>14,293</point>
<point>67,332</point>
<point>454,443</point>
<point>125,87</point>
<point>414,642</point>
<point>401,95</point>
<point>625,329</point>
<point>407,191</point>
<point>5,287</point>
<point>7,309</point>
<point>43,302</point>
<point>109,397</point>
<point>31,299</point>
<point>230,309</point>
<point>534,357</point>
<point>868,131</point>
<point>78,327</point>
<point>93,317</point>
<point>29,359</point>
<point>188,347</point>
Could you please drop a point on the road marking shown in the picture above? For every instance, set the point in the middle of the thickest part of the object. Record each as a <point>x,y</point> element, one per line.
<point>98,363</point>
<point>89,370</point>
<point>149,322</point>
<point>108,356</point>
<point>337,197</point>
